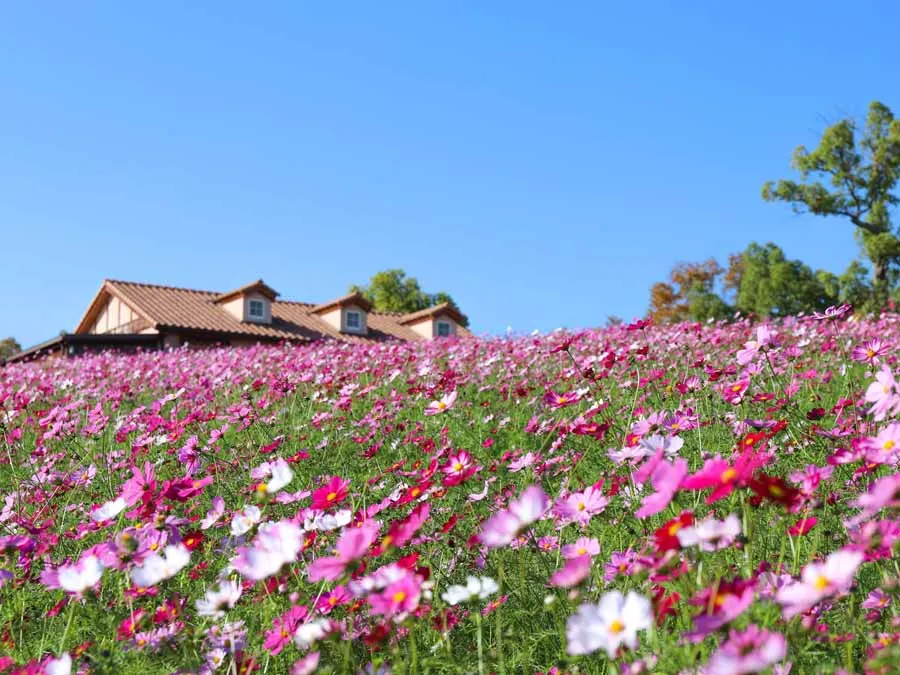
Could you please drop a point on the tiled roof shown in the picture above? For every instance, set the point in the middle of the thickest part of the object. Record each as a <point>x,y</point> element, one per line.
<point>259,286</point>
<point>193,310</point>
<point>350,299</point>
<point>444,308</point>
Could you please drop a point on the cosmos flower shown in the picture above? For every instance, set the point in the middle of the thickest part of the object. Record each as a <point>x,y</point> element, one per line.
<point>711,534</point>
<point>442,405</point>
<point>352,546</point>
<point>749,651</point>
<point>244,521</point>
<point>331,494</point>
<point>156,568</point>
<point>75,579</point>
<point>582,546</point>
<point>481,588</point>
<point>501,528</point>
<point>573,572</point>
<point>281,475</point>
<point>108,510</point>
<point>818,581</point>
<point>215,602</point>
<point>609,624</point>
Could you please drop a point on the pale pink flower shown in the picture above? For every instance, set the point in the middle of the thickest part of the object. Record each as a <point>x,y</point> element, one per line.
<point>580,507</point>
<point>572,573</point>
<point>501,528</point>
<point>818,581</point>
<point>442,405</point>
<point>666,480</point>
<point>582,546</point>
<point>749,651</point>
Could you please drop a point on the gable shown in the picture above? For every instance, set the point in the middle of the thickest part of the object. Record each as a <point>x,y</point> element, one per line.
<point>109,313</point>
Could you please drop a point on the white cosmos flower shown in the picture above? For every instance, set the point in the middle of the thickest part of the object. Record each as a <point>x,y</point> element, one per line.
<point>214,602</point>
<point>614,621</point>
<point>281,476</point>
<point>244,521</point>
<point>711,534</point>
<point>81,576</point>
<point>157,567</point>
<point>108,511</point>
<point>325,522</point>
<point>474,588</point>
<point>311,631</point>
<point>59,666</point>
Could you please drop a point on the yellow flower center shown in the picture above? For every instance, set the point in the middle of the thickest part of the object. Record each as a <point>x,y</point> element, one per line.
<point>581,550</point>
<point>889,444</point>
<point>581,506</point>
<point>399,596</point>
<point>616,627</point>
<point>736,387</point>
<point>729,475</point>
<point>262,487</point>
<point>441,405</point>
<point>154,546</point>
<point>332,600</point>
<point>821,583</point>
<point>331,496</point>
<point>870,352</point>
<point>458,466</point>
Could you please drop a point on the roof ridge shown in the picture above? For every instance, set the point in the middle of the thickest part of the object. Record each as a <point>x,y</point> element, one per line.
<point>165,286</point>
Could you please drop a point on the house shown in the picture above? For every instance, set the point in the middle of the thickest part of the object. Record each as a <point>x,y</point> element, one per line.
<point>127,315</point>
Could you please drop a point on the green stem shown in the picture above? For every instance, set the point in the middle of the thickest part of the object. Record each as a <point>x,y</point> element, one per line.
<point>480,646</point>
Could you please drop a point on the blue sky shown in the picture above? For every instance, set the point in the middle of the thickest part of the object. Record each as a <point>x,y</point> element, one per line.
<point>545,163</point>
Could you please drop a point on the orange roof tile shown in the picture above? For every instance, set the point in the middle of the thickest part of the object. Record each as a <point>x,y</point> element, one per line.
<point>350,299</point>
<point>445,308</point>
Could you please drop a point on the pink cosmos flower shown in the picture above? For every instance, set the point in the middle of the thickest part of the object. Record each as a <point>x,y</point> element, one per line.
<point>882,394</point>
<point>666,480</point>
<point>352,546</point>
<point>307,665</point>
<point>501,528</point>
<point>580,507</point>
<point>883,493</point>
<point>572,573</point>
<point>871,351</point>
<point>442,405</point>
<point>764,338</point>
<point>620,563</point>
<point>336,597</point>
<point>140,486</point>
<point>582,546</point>
<point>330,494</point>
<point>877,599</point>
<point>723,477</point>
<point>283,629</point>
<point>885,447</point>
<point>185,488</point>
<point>734,393</point>
<point>749,651</point>
<point>818,581</point>
<point>721,604</point>
<point>556,401</point>
<point>214,514</point>
<point>398,598</point>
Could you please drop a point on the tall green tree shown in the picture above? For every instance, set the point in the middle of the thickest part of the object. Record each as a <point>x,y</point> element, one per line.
<point>861,168</point>
<point>773,285</point>
<point>8,347</point>
<point>392,291</point>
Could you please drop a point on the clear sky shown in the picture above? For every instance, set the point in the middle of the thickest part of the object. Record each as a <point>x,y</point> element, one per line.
<point>543,162</point>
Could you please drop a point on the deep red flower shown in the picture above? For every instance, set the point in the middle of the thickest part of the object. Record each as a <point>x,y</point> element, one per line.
<point>774,489</point>
<point>666,537</point>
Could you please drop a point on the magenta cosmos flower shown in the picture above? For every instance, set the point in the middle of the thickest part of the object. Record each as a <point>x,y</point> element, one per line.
<point>501,528</point>
<point>352,546</point>
<point>580,507</point>
<point>666,480</point>
<point>748,651</point>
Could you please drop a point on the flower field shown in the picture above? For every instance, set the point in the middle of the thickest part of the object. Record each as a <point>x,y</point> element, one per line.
<point>682,499</point>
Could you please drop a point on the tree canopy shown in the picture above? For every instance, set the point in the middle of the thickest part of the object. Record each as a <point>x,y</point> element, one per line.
<point>392,291</point>
<point>861,167</point>
<point>8,347</point>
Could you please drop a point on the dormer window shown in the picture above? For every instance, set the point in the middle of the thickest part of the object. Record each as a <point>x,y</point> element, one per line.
<point>257,309</point>
<point>347,314</point>
<point>354,320</point>
<point>444,329</point>
<point>251,303</point>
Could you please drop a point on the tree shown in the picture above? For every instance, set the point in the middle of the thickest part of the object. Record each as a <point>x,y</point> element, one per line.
<point>773,285</point>
<point>863,170</point>
<point>9,347</point>
<point>689,294</point>
<point>393,291</point>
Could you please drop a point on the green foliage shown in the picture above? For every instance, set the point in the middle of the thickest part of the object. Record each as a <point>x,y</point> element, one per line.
<point>8,347</point>
<point>862,168</point>
<point>392,291</point>
<point>773,285</point>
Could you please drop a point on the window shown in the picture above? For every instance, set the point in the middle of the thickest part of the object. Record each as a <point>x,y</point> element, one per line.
<point>354,320</point>
<point>443,329</point>
<point>257,309</point>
